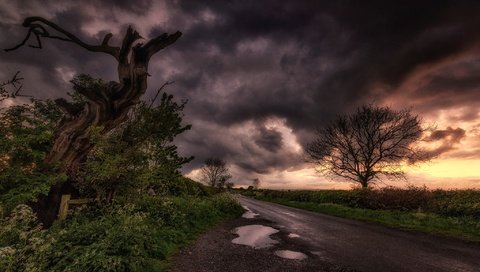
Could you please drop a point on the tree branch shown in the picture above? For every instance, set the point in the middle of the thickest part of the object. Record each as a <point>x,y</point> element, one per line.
<point>34,25</point>
<point>158,92</point>
<point>16,83</point>
<point>160,42</point>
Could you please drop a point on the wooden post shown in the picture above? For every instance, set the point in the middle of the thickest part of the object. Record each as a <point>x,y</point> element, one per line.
<point>63,211</point>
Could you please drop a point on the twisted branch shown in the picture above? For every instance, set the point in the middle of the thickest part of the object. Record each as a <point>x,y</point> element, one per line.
<point>36,27</point>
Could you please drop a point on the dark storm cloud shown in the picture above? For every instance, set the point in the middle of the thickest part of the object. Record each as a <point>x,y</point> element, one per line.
<point>449,138</point>
<point>139,7</point>
<point>251,146</point>
<point>244,61</point>
<point>269,139</point>
<point>338,52</point>
<point>453,135</point>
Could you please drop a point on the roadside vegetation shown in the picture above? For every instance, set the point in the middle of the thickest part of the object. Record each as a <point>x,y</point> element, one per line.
<point>140,209</point>
<point>453,213</point>
<point>130,235</point>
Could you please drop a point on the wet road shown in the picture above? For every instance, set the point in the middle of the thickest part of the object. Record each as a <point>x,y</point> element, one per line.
<point>370,247</point>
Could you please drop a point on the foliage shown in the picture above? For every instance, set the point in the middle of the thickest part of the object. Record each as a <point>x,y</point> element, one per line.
<point>183,186</point>
<point>215,172</point>
<point>372,142</point>
<point>26,137</point>
<point>455,203</point>
<point>126,236</point>
<point>138,155</point>
<point>20,238</point>
<point>155,210</point>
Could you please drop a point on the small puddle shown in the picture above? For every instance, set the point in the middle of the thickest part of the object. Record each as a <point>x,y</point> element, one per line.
<point>293,235</point>
<point>249,214</point>
<point>256,236</point>
<point>289,254</point>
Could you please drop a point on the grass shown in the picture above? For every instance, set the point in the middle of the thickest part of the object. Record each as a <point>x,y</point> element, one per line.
<point>200,216</point>
<point>465,228</point>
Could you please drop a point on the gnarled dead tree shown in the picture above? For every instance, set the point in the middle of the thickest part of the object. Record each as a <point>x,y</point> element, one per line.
<point>107,105</point>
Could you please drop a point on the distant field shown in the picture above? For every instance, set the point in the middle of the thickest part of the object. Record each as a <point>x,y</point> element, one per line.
<point>447,212</point>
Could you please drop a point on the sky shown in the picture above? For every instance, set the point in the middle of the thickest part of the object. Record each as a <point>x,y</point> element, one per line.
<point>261,76</point>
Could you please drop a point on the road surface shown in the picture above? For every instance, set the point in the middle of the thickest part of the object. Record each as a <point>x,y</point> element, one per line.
<point>369,247</point>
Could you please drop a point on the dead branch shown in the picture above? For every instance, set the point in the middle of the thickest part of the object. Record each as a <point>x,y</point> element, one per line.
<point>36,27</point>
<point>16,84</point>
<point>159,91</point>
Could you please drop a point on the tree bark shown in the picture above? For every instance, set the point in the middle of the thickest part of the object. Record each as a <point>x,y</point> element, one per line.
<point>107,105</point>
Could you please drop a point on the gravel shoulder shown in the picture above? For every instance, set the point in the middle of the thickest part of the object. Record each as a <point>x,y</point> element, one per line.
<point>214,251</point>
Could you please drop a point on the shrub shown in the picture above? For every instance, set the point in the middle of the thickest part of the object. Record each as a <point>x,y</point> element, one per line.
<point>136,236</point>
<point>456,202</point>
<point>390,198</point>
<point>21,236</point>
<point>120,240</point>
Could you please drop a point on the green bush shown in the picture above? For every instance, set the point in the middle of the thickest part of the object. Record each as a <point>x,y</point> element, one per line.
<point>456,203</point>
<point>185,186</point>
<point>26,137</point>
<point>390,198</point>
<point>21,236</point>
<point>136,236</point>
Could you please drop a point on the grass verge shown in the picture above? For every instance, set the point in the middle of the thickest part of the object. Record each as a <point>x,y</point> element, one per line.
<point>200,219</point>
<point>465,228</point>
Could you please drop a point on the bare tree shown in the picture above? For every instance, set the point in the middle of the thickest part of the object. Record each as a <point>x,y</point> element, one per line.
<point>372,142</point>
<point>256,183</point>
<point>215,172</point>
<point>107,104</point>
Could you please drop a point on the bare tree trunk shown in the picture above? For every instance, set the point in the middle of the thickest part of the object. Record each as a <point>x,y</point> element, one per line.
<point>364,182</point>
<point>107,105</point>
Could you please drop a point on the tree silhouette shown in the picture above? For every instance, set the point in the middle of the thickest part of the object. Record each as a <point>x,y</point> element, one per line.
<point>372,142</point>
<point>215,172</point>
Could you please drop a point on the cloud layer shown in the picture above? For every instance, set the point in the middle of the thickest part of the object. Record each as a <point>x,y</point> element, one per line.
<point>260,76</point>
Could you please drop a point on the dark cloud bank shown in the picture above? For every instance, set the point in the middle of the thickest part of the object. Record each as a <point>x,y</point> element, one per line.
<point>242,64</point>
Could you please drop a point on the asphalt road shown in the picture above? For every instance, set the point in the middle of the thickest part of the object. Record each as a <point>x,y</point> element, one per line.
<point>369,247</point>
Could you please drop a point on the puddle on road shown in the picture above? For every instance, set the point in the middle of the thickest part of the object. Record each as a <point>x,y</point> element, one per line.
<point>256,236</point>
<point>249,214</point>
<point>293,235</point>
<point>289,254</point>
